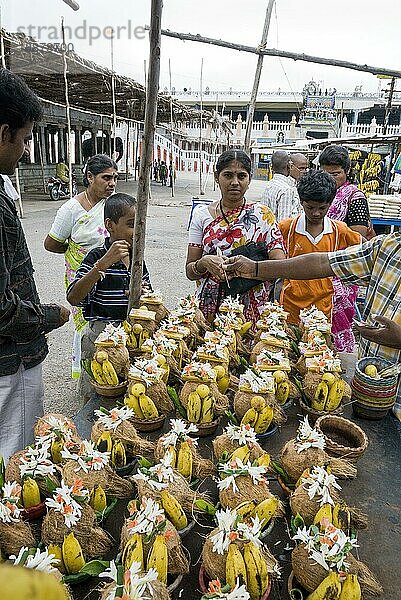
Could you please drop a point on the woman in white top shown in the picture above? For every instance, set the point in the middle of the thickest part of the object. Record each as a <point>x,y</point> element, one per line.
<point>79,227</point>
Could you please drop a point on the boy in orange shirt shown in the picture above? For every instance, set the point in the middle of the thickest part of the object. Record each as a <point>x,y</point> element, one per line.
<point>313,231</point>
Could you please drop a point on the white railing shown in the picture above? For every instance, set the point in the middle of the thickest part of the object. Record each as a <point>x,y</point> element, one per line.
<point>369,129</point>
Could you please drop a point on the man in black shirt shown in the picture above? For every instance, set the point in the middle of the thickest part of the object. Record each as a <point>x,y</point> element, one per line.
<point>24,321</point>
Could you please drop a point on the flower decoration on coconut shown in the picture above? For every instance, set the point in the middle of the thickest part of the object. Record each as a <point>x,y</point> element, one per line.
<point>111,420</point>
<point>240,441</point>
<point>308,437</point>
<point>42,560</point>
<point>68,501</point>
<point>88,457</point>
<point>329,548</point>
<point>133,584</point>
<point>10,498</point>
<point>216,590</point>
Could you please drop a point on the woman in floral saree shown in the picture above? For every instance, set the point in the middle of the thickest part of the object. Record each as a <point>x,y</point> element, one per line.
<point>351,207</point>
<point>78,227</point>
<point>226,224</point>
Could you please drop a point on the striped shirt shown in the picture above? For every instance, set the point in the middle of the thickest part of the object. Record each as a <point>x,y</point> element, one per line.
<point>281,197</point>
<point>108,299</point>
<point>376,266</point>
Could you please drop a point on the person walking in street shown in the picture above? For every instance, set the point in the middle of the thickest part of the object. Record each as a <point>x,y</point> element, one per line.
<point>24,321</point>
<point>163,172</point>
<point>280,194</point>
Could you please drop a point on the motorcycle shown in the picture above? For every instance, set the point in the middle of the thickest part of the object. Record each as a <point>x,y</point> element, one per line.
<point>59,190</point>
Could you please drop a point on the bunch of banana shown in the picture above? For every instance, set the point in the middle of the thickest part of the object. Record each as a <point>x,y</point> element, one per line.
<point>133,552</point>
<point>243,453</point>
<point>200,405</point>
<point>118,456</point>
<point>256,571</point>
<point>282,386</point>
<point>136,335</point>
<point>245,328</point>
<point>55,549</point>
<point>103,371</point>
<point>97,499</point>
<point>342,517</point>
<point>162,362</point>
<point>57,446</point>
<point>158,558</point>
<point>235,567</point>
<point>173,510</point>
<point>329,588</point>
<point>222,378</point>
<point>30,493</point>
<point>351,590</point>
<point>329,393</point>
<point>184,462</point>
<point>142,405</point>
<point>73,557</point>
<point>265,510</point>
<point>104,442</point>
<point>259,415</point>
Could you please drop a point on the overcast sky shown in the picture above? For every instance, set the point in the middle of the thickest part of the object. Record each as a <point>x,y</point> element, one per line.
<point>365,32</point>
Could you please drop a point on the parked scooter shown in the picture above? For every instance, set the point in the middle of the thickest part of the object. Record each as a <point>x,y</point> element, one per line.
<point>59,190</point>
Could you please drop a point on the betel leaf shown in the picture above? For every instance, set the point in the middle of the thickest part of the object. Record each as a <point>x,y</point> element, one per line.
<point>243,362</point>
<point>297,522</point>
<point>205,506</point>
<point>174,397</point>
<point>92,568</point>
<point>50,485</point>
<point>86,365</point>
<point>144,462</point>
<point>280,471</point>
<point>231,417</point>
<point>102,516</point>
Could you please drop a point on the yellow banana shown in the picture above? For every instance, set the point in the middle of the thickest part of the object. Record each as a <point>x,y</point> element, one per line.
<point>321,394</point>
<point>97,372</point>
<point>250,417</point>
<point>148,407</point>
<point>324,512</point>
<point>245,509</point>
<point>341,517</point>
<point>127,327</point>
<point>207,414</point>
<point>118,456</point>
<point>258,403</point>
<point>109,373</point>
<point>55,549</point>
<point>97,499</point>
<point>245,328</point>
<point>203,390</point>
<point>335,396</point>
<point>73,557</point>
<point>133,402</point>
<point>173,453</point>
<point>243,453</point>
<point>194,407</point>
<point>133,552</point>
<point>282,392</point>
<point>351,590</point>
<point>264,420</point>
<point>55,450</point>
<point>235,567</point>
<point>185,460</point>
<point>264,460</point>
<point>173,510</point>
<point>101,356</point>
<point>104,442</point>
<point>158,558</point>
<point>265,510</point>
<point>279,376</point>
<point>30,493</point>
<point>137,389</point>
<point>256,571</point>
<point>329,588</point>
<point>22,584</point>
<point>329,378</point>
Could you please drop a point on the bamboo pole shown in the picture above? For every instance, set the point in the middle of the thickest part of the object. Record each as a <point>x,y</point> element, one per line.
<point>258,72</point>
<point>127,151</point>
<point>333,62</point>
<point>146,160</point>
<point>113,94</point>
<point>67,108</point>
<point>172,134</point>
<point>201,192</point>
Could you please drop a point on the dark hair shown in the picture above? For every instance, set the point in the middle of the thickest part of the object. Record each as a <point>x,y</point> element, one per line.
<point>228,156</point>
<point>18,104</point>
<point>117,205</point>
<point>97,164</point>
<point>317,186</point>
<point>335,155</point>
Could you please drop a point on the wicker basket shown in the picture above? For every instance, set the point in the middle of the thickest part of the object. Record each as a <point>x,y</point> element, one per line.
<point>148,425</point>
<point>315,414</point>
<point>110,391</point>
<point>343,437</point>
<point>373,398</point>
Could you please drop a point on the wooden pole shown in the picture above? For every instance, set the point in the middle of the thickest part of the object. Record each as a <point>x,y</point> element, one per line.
<point>172,134</point>
<point>258,72</point>
<point>113,94</point>
<point>127,151</point>
<point>201,192</point>
<point>385,127</point>
<point>67,109</point>
<point>146,160</point>
<point>333,62</point>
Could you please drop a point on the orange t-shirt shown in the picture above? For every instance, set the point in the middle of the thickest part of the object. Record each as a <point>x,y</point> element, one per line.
<point>299,294</point>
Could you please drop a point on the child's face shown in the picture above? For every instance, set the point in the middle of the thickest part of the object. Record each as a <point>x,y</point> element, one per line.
<point>315,211</point>
<point>124,228</point>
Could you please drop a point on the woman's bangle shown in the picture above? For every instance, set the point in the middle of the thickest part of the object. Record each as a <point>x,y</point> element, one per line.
<point>195,269</point>
<point>256,270</point>
<point>102,274</point>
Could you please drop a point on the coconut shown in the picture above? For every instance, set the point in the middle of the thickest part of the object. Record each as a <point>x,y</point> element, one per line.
<point>158,588</point>
<point>295,463</point>
<point>263,345</point>
<point>310,383</point>
<point>158,393</point>
<point>112,483</point>
<point>310,574</point>
<point>295,392</point>
<point>300,366</point>
<point>177,561</point>
<point>223,443</point>
<point>13,473</point>
<point>307,507</point>
<point>221,402</point>
<point>127,434</point>
<point>200,320</point>
<point>201,467</point>
<point>42,426</point>
<point>179,488</point>
<point>94,541</point>
<point>158,308</point>
<point>242,403</point>
<point>215,564</point>
<point>247,490</point>
<point>14,536</point>
<point>119,358</point>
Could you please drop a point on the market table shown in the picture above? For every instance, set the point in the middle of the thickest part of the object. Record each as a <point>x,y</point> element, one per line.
<point>376,491</point>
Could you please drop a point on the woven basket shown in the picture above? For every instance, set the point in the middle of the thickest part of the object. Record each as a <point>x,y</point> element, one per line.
<point>344,438</point>
<point>205,429</point>
<point>373,398</point>
<point>315,414</point>
<point>110,391</point>
<point>148,425</point>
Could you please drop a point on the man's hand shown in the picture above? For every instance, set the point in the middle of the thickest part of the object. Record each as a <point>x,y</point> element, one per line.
<point>64,316</point>
<point>240,266</point>
<point>388,334</point>
<point>116,253</point>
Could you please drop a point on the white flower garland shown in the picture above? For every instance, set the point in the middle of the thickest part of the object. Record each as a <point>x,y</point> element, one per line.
<point>113,334</point>
<point>114,417</point>
<point>307,437</point>
<point>329,548</point>
<point>237,468</point>
<point>179,432</point>
<point>88,457</point>
<point>135,586</point>
<point>318,483</point>
<point>10,498</point>
<point>36,462</point>
<point>261,382</point>
<point>144,519</point>
<point>243,434</point>
<point>230,527</point>
<point>64,502</point>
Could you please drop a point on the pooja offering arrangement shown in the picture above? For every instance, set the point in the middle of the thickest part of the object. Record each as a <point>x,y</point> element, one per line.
<point>181,448</point>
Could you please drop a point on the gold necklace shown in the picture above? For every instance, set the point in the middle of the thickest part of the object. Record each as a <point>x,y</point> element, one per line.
<point>88,200</point>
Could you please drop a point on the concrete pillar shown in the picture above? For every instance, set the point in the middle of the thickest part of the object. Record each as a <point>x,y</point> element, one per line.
<point>344,126</point>
<point>265,126</point>
<point>36,141</point>
<point>78,145</point>
<point>293,131</point>
<point>355,116</point>
<point>60,144</point>
<point>239,128</point>
<point>53,146</point>
<point>373,127</point>
<point>46,152</point>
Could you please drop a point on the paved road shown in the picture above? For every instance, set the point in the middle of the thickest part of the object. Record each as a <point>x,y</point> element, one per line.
<point>165,257</point>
